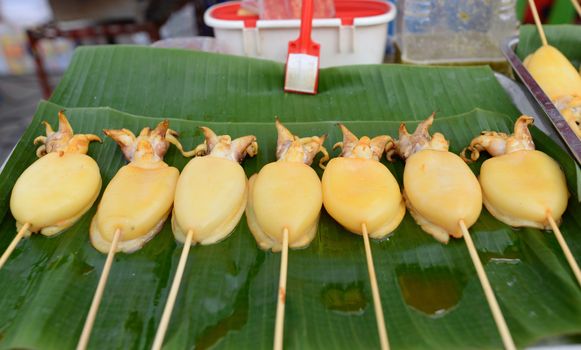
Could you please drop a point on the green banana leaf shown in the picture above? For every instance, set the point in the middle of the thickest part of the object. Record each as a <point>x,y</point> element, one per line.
<point>566,38</point>
<point>202,86</point>
<point>430,292</point>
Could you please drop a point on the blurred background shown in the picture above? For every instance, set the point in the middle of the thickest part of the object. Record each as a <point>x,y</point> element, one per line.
<point>38,37</point>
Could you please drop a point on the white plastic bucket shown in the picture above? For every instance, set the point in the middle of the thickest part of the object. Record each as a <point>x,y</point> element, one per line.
<point>358,34</point>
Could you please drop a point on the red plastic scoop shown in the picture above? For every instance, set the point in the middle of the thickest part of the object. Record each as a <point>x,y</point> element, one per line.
<point>302,64</point>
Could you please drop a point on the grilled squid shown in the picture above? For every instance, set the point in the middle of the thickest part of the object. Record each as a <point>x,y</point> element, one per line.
<point>212,192</point>
<point>62,185</point>
<point>286,194</point>
<point>138,199</point>
<point>358,189</point>
<point>439,188</point>
<point>560,81</point>
<point>521,186</point>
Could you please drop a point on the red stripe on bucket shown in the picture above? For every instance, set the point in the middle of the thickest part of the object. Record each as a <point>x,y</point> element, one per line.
<point>346,10</point>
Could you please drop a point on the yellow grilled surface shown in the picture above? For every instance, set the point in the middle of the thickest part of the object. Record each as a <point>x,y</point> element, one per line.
<point>55,189</point>
<point>554,73</point>
<point>262,239</point>
<point>136,200</point>
<point>357,191</point>
<point>524,185</point>
<point>442,189</point>
<point>287,194</point>
<point>209,196</point>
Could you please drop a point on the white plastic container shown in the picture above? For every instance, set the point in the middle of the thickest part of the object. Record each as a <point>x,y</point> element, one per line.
<point>358,34</point>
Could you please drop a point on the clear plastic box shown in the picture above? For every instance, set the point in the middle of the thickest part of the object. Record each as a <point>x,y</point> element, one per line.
<point>454,31</point>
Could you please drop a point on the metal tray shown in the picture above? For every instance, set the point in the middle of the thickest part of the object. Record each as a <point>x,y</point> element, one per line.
<point>572,142</point>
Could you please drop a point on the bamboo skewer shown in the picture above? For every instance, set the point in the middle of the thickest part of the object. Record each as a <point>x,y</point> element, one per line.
<point>492,302</point>
<point>90,321</point>
<point>279,325</point>
<point>173,293</point>
<point>13,244</point>
<point>382,330</point>
<point>576,6</point>
<point>570,259</point>
<point>538,22</point>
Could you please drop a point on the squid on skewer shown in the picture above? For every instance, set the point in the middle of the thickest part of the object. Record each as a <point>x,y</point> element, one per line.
<point>138,199</point>
<point>364,197</point>
<point>211,196</point>
<point>445,199</point>
<point>439,189</point>
<point>522,187</point>
<point>135,204</point>
<point>286,195</point>
<point>560,81</point>
<point>556,76</point>
<point>212,192</point>
<point>64,176</point>
<point>358,189</point>
<point>284,204</point>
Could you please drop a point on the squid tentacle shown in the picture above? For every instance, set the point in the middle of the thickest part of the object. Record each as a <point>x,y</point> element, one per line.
<point>409,144</point>
<point>498,143</point>
<point>364,147</point>
<point>150,144</point>
<point>292,148</point>
<point>221,146</point>
<point>64,140</point>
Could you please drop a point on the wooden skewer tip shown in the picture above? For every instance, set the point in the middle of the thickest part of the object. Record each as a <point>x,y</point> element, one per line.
<point>280,307</point>
<point>13,244</point>
<point>173,293</point>
<point>381,328</point>
<point>538,23</point>
<point>566,250</point>
<point>577,7</point>
<point>488,292</point>
<point>90,321</point>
